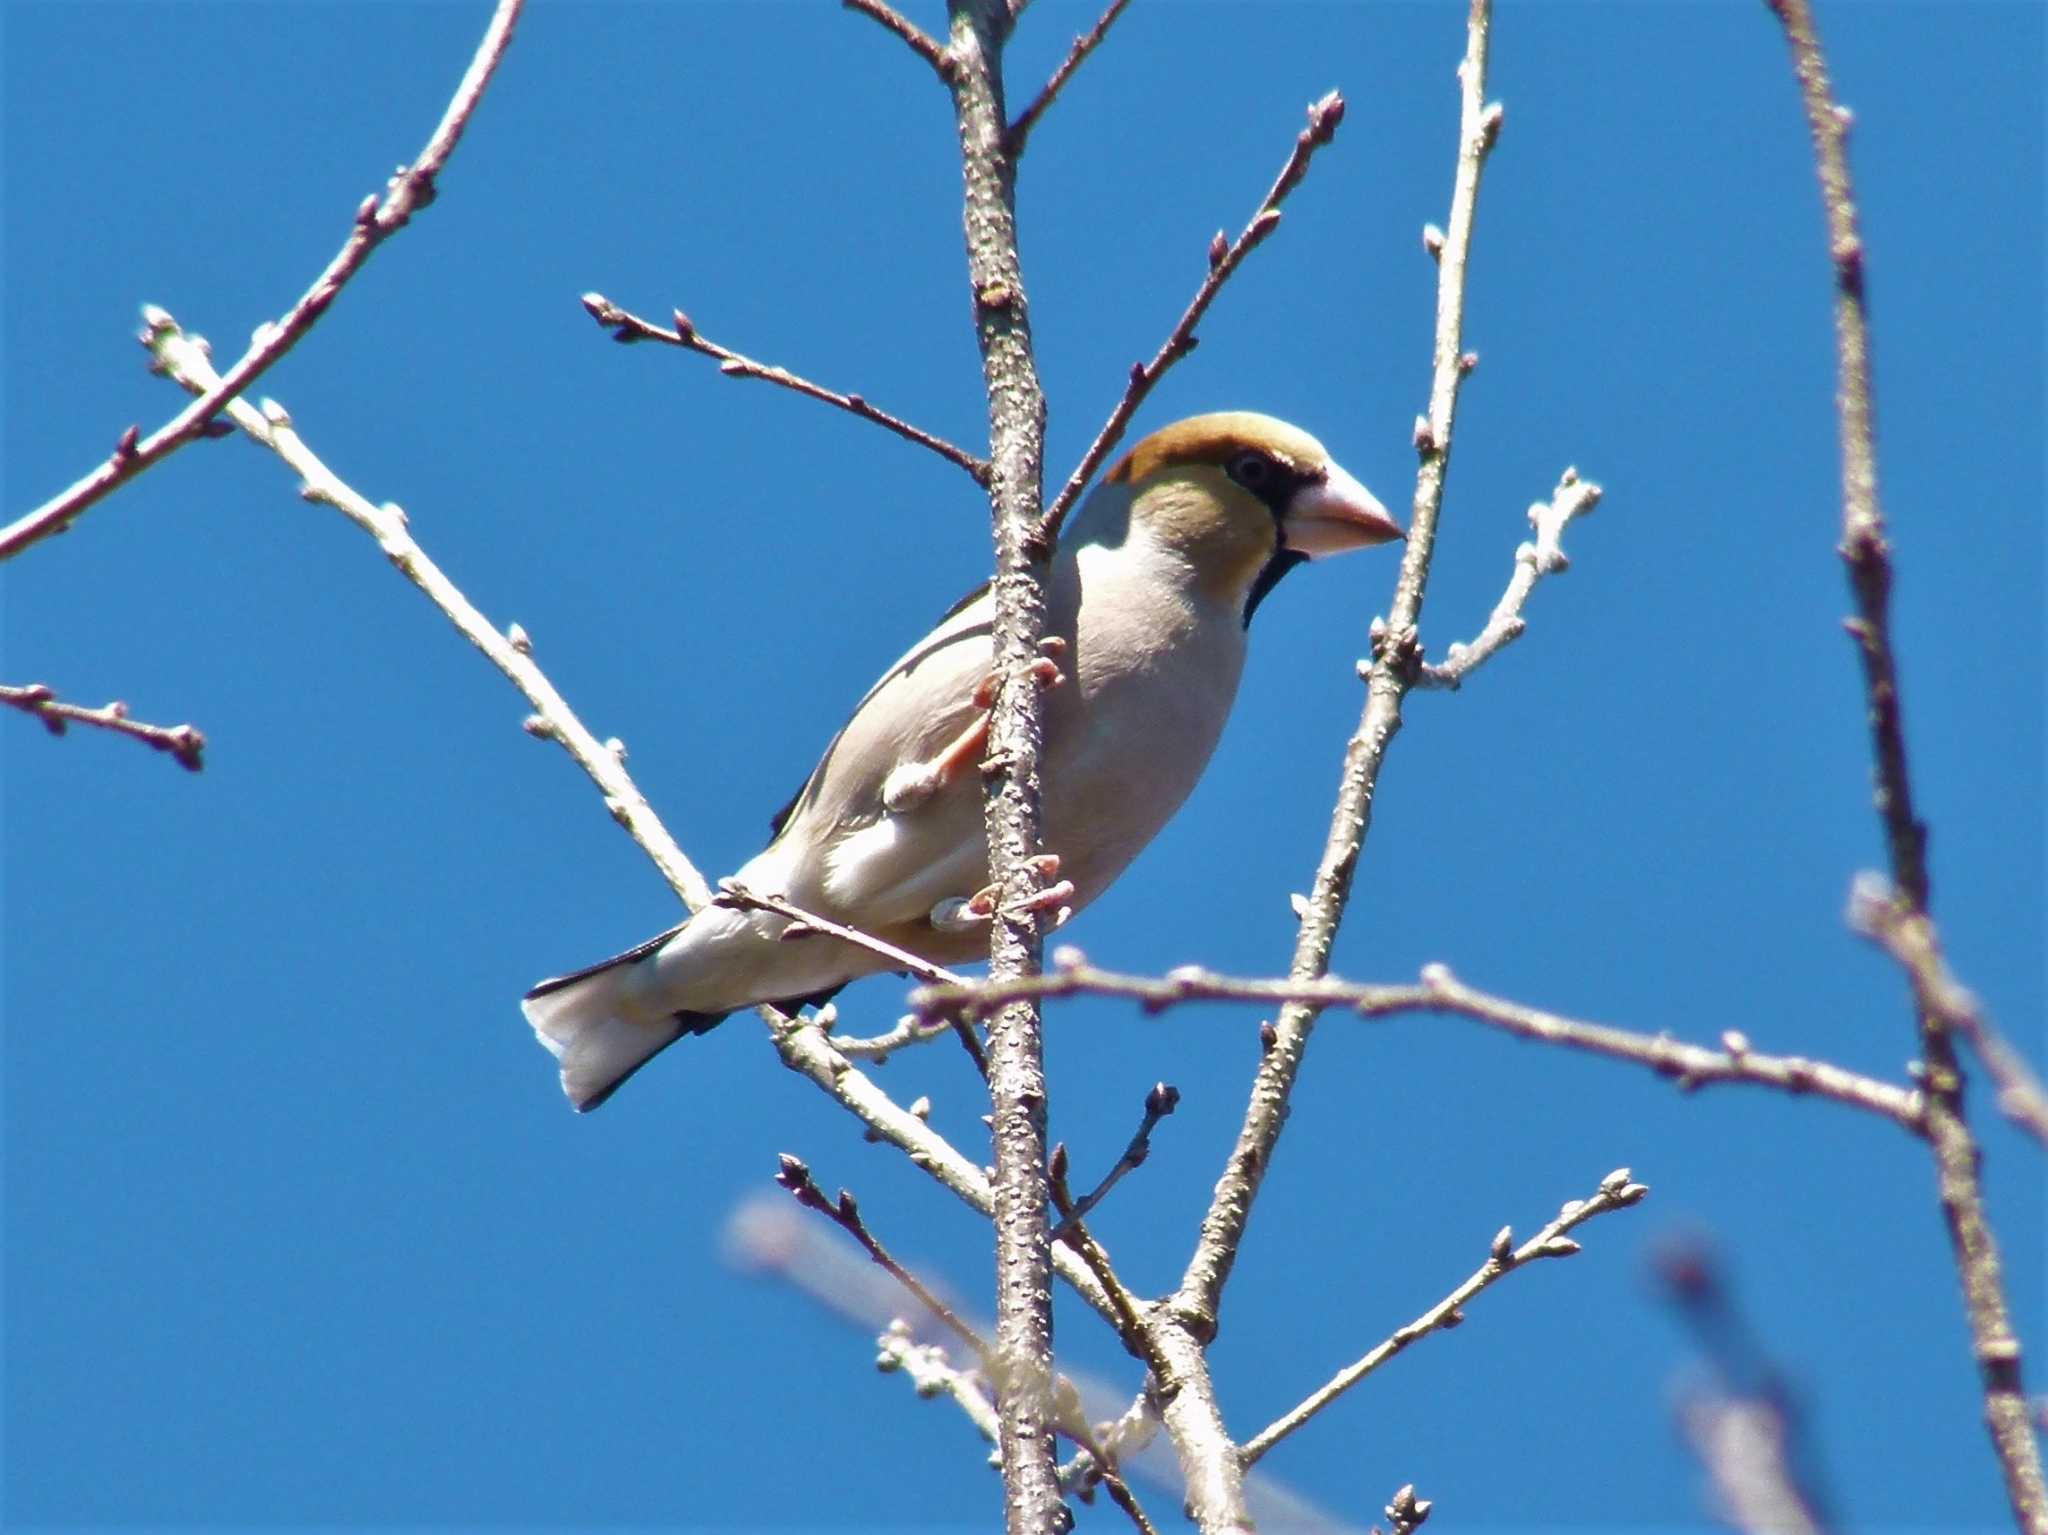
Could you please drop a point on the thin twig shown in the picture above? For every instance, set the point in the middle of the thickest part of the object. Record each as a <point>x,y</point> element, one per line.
<point>627,326</point>
<point>1160,1102</point>
<point>185,359</point>
<point>183,742</point>
<point>375,222</point>
<point>1909,936</point>
<point>920,42</point>
<point>1224,259</point>
<point>931,1372</point>
<point>1223,1227</point>
<point>906,1031</point>
<point>1957,1158</point>
<point>1074,1233</point>
<point>795,1176</point>
<point>1085,44</point>
<point>805,923</point>
<point>1617,1190</point>
<point>1690,1066</point>
<point>1573,497</point>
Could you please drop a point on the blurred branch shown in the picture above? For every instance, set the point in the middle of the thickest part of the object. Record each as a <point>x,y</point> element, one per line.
<point>376,221</point>
<point>627,326</point>
<point>1017,1088</point>
<point>1617,1190</point>
<point>1573,497</point>
<point>1745,1427</point>
<point>1691,1066</point>
<point>1323,118</point>
<point>1087,43</point>
<point>1910,938</point>
<point>1995,1343</point>
<point>183,742</point>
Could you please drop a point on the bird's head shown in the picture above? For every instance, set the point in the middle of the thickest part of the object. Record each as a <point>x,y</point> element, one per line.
<point>1242,498</point>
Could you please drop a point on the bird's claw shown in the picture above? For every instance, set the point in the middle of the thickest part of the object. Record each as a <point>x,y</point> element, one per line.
<point>959,914</point>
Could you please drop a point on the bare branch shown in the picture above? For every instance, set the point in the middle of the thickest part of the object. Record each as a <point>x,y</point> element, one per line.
<point>375,222</point>
<point>1994,1341</point>
<point>183,742</point>
<point>1209,1267</point>
<point>805,924</point>
<point>1909,936</point>
<point>627,326</point>
<point>1323,118</point>
<point>920,42</point>
<point>1130,1326</point>
<point>184,358</point>
<point>931,1372</point>
<point>1160,1102</point>
<point>1087,43</point>
<point>1617,1190</point>
<point>1573,497</point>
<point>845,1214</point>
<point>1690,1066</point>
<point>1017,1088</point>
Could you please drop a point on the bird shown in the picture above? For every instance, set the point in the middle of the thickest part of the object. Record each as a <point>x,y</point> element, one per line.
<point>1150,594</point>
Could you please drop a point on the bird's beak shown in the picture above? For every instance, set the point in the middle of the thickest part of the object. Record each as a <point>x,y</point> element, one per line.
<point>1335,514</point>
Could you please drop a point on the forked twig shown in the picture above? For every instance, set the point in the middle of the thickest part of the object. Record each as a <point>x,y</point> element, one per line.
<point>1617,1191</point>
<point>375,222</point>
<point>627,326</point>
<point>1224,259</point>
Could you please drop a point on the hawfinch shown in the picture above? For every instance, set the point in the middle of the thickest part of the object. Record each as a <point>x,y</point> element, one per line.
<point>1150,592</point>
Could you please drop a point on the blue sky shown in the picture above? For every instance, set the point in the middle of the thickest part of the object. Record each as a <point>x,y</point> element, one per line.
<point>298,1228</point>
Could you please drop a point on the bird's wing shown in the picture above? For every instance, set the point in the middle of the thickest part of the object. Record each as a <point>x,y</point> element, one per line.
<point>838,842</point>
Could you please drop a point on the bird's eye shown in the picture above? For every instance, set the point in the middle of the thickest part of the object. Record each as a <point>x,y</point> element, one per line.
<point>1254,471</point>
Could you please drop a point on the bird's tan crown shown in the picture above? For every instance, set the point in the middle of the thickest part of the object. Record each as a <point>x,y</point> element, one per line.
<point>1216,439</point>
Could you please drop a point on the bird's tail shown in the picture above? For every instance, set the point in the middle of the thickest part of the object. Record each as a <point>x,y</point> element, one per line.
<point>597,1025</point>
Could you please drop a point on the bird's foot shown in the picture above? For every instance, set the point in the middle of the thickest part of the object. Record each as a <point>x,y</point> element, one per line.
<point>958,914</point>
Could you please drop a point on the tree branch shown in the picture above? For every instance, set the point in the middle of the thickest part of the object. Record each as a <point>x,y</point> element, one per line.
<point>1087,43</point>
<point>1910,938</point>
<point>1573,497</point>
<point>1323,118</point>
<point>1864,548</point>
<point>919,41</point>
<point>183,742</point>
<point>1690,1066</point>
<point>1223,1228</point>
<point>1031,1492</point>
<point>1617,1190</point>
<point>627,326</point>
<point>375,222</point>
